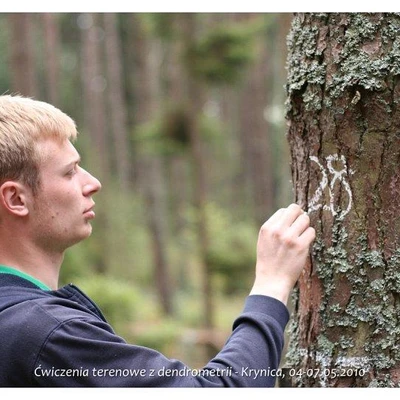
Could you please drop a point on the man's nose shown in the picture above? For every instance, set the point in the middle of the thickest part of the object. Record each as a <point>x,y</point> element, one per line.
<point>92,185</point>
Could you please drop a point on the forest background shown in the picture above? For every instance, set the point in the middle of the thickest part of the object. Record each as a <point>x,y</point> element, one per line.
<point>181,117</point>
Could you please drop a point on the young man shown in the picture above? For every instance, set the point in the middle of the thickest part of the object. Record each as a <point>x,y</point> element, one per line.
<point>54,336</point>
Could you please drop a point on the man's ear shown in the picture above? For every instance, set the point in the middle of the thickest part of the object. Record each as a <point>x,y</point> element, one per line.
<point>14,198</point>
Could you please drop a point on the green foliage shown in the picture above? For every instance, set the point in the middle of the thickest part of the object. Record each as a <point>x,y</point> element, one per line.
<point>127,248</point>
<point>149,138</point>
<point>232,251</point>
<point>122,246</point>
<point>188,307</point>
<point>221,55</point>
<point>176,125</point>
<point>79,261</point>
<point>160,336</point>
<point>169,133</point>
<point>117,299</point>
<point>159,24</point>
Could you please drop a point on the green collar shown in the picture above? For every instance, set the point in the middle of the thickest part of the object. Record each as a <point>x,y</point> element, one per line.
<point>13,271</point>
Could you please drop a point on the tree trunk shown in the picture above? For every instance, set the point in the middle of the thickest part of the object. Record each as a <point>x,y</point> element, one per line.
<point>195,103</point>
<point>94,85</point>
<point>117,105</point>
<point>22,57</point>
<point>51,56</point>
<point>179,182</point>
<point>343,86</point>
<point>151,169</point>
<point>254,131</point>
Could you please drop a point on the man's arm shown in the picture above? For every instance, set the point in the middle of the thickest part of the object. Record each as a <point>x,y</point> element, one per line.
<point>250,357</point>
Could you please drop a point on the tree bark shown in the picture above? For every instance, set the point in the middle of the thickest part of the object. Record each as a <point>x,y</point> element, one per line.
<point>344,116</point>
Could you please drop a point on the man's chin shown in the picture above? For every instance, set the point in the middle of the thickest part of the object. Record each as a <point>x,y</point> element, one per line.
<point>87,232</point>
<point>79,238</point>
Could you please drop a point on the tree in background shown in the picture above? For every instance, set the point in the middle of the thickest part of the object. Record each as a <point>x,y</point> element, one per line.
<point>95,125</point>
<point>116,100</point>
<point>254,127</point>
<point>51,57</point>
<point>22,54</point>
<point>151,177</point>
<point>157,101</point>
<point>343,88</point>
<point>215,57</point>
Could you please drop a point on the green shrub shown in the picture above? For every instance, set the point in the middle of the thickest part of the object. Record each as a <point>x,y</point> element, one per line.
<point>117,299</point>
<point>162,335</point>
<point>232,251</point>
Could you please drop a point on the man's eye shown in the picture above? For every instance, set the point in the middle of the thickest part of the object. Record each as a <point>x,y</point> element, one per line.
<point>71,172</point>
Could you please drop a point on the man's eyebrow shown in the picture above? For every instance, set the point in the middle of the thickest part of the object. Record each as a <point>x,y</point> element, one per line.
<point>77,160</point>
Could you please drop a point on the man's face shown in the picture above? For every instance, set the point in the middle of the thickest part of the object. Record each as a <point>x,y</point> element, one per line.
<point>63,207</point>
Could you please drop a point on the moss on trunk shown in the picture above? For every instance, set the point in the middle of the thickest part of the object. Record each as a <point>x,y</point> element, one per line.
<point>344,134</point>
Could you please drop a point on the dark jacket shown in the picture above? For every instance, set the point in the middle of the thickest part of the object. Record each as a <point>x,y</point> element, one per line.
<point>60,338</point>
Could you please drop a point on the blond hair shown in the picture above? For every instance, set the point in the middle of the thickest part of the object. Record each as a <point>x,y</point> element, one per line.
<point>23,123</point>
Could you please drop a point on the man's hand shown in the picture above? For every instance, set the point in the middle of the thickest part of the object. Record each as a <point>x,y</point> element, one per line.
<point>282,249</point>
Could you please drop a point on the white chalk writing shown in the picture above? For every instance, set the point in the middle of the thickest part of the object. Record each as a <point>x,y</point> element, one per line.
<point>338,176</point>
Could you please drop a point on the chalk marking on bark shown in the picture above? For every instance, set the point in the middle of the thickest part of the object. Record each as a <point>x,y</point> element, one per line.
<point>353,362</point>
<point>341,362</point>
<point>314,203</point>
<point>338,176</point>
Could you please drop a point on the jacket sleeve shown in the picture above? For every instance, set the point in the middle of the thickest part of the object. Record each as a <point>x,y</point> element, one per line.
<point>85,352</point>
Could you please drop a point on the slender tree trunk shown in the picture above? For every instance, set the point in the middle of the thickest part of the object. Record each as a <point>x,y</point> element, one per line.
<point>22,57</point>
<point>344,116</point>
<point>95,126</point>
<point>200,194</point>
<point>151,167</point>
<point>195,102</point>
<point>255,132</point>
<point>94,86</point>
<point>178,164</point>
<point>117,104</point>
<point>51,56</point>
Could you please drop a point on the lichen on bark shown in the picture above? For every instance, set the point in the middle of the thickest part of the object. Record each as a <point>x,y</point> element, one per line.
<point>344,134</point>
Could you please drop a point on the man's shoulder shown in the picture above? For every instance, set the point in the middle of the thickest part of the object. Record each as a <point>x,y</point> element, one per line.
<point>29,317</point>
<point>22,305</point>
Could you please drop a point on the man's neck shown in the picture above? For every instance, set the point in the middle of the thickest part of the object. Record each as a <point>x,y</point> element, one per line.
<point>25,257</point>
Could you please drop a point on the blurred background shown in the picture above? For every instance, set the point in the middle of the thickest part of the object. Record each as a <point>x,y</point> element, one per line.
<point>181,117</point>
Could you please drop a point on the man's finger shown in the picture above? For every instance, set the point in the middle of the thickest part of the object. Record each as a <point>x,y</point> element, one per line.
<point>275,217</point>
<point>300,224</point>
<point>308,235</point>
<point>290,215</point>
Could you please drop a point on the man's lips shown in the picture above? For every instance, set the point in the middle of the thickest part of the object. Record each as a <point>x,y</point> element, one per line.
<point>89,212</point>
